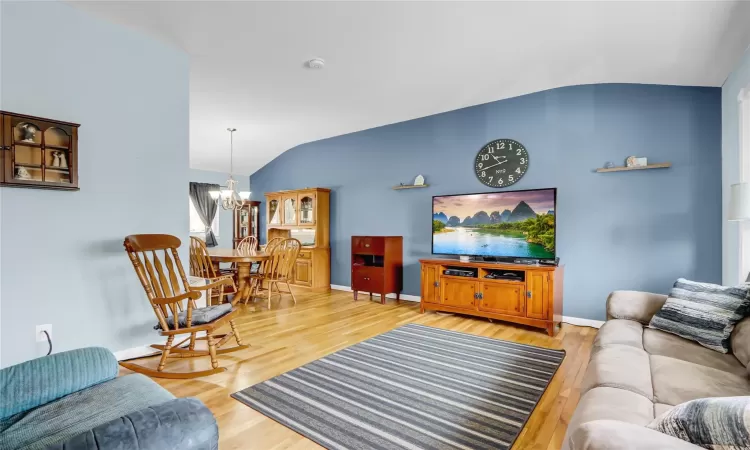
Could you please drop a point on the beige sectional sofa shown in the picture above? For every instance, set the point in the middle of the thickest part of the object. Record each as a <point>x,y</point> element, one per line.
<point>636,373</point>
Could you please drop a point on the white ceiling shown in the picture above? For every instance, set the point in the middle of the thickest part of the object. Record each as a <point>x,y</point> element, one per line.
<point>388,62</point>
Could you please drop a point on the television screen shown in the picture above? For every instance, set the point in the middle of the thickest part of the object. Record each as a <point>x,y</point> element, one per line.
<point>512,224</point>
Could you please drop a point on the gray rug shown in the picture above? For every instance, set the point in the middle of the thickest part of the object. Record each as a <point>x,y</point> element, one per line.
<point>414,387</point>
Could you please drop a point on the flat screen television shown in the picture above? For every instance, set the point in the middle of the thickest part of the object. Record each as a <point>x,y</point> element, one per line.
<point>508,224</point>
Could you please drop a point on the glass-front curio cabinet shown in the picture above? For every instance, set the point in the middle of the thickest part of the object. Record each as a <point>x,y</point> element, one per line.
<point>37,152</point>
<point>246,221</point>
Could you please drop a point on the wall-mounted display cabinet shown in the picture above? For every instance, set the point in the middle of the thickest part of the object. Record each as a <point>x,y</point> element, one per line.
<point>304,215</point>
<point>38,152</point>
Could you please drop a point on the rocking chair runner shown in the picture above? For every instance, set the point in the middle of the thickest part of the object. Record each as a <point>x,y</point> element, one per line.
<point>167,288</point>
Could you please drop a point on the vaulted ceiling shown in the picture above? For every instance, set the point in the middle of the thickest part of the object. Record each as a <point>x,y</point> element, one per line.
<point>388,62</point>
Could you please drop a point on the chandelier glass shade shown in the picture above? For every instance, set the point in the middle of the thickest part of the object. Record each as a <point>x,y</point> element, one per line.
<point>227,195</point>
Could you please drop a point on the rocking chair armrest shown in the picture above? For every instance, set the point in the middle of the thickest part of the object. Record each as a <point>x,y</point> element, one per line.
<point>219,282</point>
<point>177,298</point>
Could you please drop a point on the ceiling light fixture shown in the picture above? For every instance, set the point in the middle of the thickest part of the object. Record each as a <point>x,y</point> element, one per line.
<point>228,196</point>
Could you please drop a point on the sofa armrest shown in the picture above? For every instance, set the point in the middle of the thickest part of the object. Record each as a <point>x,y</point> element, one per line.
<point>179,424</point>
<point>37,382</point>
<point>634,305</point>
<point>617,435</point>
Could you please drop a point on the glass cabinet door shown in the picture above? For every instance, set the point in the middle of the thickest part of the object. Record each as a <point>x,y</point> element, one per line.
<point>40,153</point>
<point>244,223</point>
<point>290,209</point>
<point>254,221</point>
<point>306,209</point>
<point>274,216</point>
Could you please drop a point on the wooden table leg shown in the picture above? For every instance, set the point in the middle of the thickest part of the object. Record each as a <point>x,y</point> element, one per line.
<point>243,280</point>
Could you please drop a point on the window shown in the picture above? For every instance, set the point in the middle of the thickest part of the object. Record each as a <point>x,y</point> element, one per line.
<point>196,226</point>
<point>744,156</point>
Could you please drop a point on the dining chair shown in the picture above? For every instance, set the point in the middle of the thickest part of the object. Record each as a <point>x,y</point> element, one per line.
<point>248,244</point>
<point>278,268</point>
<point>173,301</point>
<point>202,267</point>
<point>256,271</point>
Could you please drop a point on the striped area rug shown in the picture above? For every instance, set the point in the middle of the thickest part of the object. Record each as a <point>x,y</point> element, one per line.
<point>415,387</point>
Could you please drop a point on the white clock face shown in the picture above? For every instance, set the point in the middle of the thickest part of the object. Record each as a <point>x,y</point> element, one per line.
<point>501,163</point>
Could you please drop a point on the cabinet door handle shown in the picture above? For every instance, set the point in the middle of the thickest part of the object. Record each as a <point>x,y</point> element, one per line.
<point>367,245</point>
<point>528,294</point>
<point>436,284</point>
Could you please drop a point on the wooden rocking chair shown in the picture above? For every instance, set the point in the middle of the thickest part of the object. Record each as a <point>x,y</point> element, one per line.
<point>166,295</point>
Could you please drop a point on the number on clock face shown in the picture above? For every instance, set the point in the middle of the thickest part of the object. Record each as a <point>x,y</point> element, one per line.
<point>501,163</point>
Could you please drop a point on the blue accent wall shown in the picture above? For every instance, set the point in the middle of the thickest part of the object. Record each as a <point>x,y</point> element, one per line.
<point>630,230</point>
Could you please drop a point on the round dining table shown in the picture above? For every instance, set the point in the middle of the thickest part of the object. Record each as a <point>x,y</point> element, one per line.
<point>243,260</point>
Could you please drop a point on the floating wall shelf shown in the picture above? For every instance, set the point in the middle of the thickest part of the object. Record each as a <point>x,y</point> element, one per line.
<point>410,186</point>
<point>624,169</point>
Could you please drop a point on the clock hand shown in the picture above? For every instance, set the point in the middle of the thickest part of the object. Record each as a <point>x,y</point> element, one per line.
<point>490,167</point>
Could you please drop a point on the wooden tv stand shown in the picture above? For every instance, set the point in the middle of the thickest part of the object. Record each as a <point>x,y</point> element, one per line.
<point>534,298</point>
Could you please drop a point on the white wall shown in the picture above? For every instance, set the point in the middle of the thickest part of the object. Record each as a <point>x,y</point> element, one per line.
<point>737,80</point>
<point>61,253</point>
<point>226,218</point>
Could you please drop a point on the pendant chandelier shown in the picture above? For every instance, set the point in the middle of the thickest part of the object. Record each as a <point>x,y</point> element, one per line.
<point>228,197</point>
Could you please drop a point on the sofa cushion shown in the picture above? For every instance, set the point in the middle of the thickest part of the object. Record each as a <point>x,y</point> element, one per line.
<point>82,411</point>
<point>619,332</point>
<point>179,424</point>
<point>615,435</point>
<point>201,316</point>
<point>42,380</point>
<point>621,367</point>
<point>614,404</point>
<point>709,422</point>
<point>657,342</point>
<point>703,312</point>
<point>740,341</point>
<point>677,381</point>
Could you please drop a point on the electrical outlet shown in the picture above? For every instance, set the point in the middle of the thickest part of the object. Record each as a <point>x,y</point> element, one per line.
<point>40,336</point>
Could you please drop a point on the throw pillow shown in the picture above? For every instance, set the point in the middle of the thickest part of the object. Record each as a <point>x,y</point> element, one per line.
<point>703,312</point>
<point>720,422</point>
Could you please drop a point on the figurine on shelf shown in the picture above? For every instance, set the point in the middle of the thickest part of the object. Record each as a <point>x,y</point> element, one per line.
<point>28,131</point>
<point>22,173</point>
<point>58,160</point>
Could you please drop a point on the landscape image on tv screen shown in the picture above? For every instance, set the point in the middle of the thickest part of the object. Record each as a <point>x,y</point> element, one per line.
<point>501,224</point>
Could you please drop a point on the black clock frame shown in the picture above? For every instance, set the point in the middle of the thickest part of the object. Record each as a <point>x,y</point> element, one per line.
<point>517,157</point>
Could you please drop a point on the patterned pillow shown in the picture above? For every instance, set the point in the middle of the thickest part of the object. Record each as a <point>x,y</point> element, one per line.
<point>702,312</point>
<point>720,422</point>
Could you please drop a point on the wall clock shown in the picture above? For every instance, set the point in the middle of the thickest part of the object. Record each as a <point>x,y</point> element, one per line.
<point>501,163</point>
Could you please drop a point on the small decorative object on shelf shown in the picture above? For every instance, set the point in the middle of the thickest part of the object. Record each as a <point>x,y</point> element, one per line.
<point>28,131</point>
<point>419,181</point>
<point>22,173</point>
<point>609,165</point>
<point>635,161</point>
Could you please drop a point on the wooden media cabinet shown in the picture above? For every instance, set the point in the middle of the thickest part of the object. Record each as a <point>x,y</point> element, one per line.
<point>533,297</point>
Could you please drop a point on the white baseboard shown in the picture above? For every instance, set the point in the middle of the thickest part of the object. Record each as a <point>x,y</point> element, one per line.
<point>411,298</point>
<point>415,298</point>
<point>583,322</point>
<point>144,351</point>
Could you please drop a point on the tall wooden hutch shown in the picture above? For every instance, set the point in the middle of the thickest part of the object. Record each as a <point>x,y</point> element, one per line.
<point>304,214</point>
<point>246,221</point>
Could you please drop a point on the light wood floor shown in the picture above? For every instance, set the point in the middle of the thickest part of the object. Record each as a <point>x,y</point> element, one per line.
<point>289,336</point>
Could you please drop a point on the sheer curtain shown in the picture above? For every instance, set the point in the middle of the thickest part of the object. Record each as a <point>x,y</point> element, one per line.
<point>744,227</point>
<point>206,207</point>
